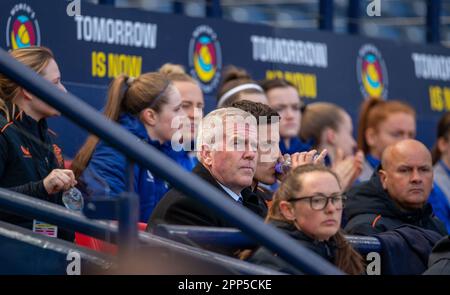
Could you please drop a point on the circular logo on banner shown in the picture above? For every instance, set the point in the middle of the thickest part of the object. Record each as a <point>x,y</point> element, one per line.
<point>22,29</point>
<point>372,72</point>
<point>205,58</point>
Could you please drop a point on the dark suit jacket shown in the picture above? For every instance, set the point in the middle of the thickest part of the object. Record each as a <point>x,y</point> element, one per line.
<point>177,208</point>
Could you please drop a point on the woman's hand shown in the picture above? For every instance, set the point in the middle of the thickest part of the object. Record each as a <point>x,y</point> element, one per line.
<point>348,168</point>
<point>304,158</point>
<point>59,180</point>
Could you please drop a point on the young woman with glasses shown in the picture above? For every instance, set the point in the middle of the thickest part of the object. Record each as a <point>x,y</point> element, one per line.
<point>308,207</point>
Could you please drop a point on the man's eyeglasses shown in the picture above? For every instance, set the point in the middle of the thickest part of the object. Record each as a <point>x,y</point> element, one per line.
<point>319,202</point>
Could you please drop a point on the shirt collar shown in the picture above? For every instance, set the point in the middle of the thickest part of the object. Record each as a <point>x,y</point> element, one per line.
<point>232,194</point>
<point>374,162</point>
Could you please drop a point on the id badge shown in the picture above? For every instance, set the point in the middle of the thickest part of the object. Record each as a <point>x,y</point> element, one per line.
<point>45,229</point>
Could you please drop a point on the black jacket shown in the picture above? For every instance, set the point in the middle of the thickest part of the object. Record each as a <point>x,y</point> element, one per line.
<point>405,250</point>
<point>264,257</point>
<point>370,210</point>
<point>177,208</point>
<point>27,156</point>
<point>439,261</point>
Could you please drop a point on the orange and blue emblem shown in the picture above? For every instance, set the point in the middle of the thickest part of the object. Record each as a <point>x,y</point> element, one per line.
<point>372,73</point>
<point>22,33</point>
<point>205,58</point>
<point>22,28</point>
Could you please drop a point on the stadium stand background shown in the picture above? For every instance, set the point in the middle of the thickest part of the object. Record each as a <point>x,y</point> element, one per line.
<point>400,19</point>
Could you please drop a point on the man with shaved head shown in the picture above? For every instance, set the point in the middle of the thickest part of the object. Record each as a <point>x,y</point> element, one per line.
<point>396,194</point>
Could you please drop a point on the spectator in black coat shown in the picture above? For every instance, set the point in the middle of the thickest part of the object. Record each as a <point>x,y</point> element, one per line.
<point>439,261</point>
<point>227,161</point>
<point>396,194</point>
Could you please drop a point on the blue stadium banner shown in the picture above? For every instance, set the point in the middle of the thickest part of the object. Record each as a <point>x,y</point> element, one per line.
<point>100,42</point>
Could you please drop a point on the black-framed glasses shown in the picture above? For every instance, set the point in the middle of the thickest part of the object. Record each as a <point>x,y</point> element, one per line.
<point>320,201</point>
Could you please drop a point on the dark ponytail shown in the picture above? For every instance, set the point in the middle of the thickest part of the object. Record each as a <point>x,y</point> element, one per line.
<point>233,77</point>
<point>443,132</point>
<point>112,111</point>
<point>150,90</point>
<point>116,95</point>
<point>347,258</point>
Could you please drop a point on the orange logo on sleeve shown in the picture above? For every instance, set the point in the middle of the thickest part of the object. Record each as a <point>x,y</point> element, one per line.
<point>26,152</point>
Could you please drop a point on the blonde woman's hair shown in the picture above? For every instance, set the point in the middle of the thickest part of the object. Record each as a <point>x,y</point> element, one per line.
<point>37,58</point>
<point>176,73</point>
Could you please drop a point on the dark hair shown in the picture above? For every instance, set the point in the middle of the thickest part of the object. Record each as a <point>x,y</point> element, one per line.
<point>347,258</point>
<point>127,95</point>
<point>233,77</point>
<point>257,109</point>
<point>269,84</point>
<point>373,112</point>
<point>317,117</point>
<point>443,131</point>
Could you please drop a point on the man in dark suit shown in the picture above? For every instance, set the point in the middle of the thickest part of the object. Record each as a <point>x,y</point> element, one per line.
<point>228,155</point>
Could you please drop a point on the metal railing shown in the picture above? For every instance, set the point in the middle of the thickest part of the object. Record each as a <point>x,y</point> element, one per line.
<point>35,208</point>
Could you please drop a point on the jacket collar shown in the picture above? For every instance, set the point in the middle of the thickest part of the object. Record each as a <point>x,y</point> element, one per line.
<point>29,124</point>
<point>135,126</point>
<point>325,249</point>
<point>201,171</point>
<point>248,195</point>
<point>374,162</point>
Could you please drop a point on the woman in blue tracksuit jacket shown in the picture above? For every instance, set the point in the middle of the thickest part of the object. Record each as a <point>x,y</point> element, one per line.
<point>145,106</point>
<point>440,195</point>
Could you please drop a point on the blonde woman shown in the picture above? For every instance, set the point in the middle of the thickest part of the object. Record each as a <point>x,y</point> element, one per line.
<point>30,161</point>
<point>193,103</point>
